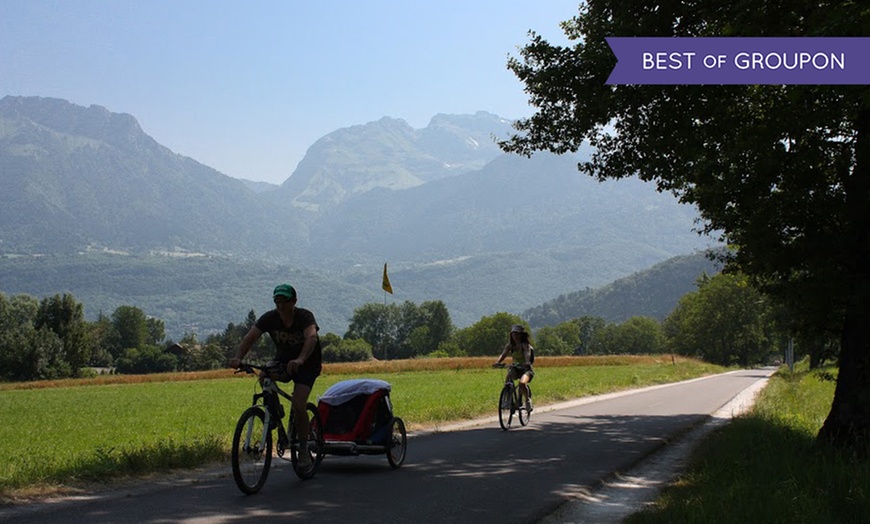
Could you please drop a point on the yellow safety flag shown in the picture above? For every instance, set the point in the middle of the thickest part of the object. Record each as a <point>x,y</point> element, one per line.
<point>386,285</point>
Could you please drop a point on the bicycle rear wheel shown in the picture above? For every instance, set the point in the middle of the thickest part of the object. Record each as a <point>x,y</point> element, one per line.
<point>524,415</point>
<point>252,451</point>
<point>315,446</point>
<point>506,407</point>
<point>398,444</point>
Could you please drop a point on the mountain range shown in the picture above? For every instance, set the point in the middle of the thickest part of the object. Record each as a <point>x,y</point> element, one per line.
<point>456,219</point>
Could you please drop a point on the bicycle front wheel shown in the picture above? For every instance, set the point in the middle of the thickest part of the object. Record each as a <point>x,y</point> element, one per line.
<point>314,444</point>
<point>524,414</point>
<point>252,451</point>
<point>505,407</point>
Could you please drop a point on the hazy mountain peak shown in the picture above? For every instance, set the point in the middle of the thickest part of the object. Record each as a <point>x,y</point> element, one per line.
<point>389,153</point>
<point>77,176</point>
<point>94,122</point>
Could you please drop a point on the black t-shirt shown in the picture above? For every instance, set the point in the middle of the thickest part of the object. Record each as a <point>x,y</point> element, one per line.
<point>289,340</point>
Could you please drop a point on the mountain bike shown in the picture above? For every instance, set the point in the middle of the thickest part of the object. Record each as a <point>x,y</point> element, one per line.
<point>509,401</point>
<point>253,441</point>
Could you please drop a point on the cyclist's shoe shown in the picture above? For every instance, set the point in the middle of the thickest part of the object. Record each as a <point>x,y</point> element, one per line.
<point>529,407</point>
<point>304,461</point>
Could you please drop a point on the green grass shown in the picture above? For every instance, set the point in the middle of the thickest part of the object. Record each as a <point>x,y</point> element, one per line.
<point>766,466</point>
<point>63,435</point>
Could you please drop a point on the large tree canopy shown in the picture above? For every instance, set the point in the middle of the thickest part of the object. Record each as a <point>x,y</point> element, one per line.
<point>782,171</point>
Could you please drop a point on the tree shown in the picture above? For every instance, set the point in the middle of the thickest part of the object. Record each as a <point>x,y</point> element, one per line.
<point>230,338</point>
<point>488,335</point>
<point>131,325</point>
<point>377,324</point>
<point>65,317</point>
<point>439,326</point>
<point>561,339</point>
<point>726,321</point>
<point>348,350</point>
<point>589,326</point>
<point>329,339</point>
<point>640,335</point>
<point>156,330</point>
<point>27,352</point>
<point>401,331</point>
<point>196,356</point>
<point>782,171</point>
<point>103,338</point>
<point>146,359</point>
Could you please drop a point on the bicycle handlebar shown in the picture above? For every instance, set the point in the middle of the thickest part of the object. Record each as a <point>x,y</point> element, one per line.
<point>247,367</point>
<point>498,365</point>
<point>244,367</point>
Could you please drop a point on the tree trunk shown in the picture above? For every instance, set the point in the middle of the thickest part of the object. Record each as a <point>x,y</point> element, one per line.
<point>848,423</point>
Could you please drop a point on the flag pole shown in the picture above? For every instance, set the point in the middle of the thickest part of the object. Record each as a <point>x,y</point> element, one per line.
<point>388,288</point>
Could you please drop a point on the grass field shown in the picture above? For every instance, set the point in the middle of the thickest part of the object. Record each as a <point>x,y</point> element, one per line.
<point>56,434</point>
<point>767,467</point>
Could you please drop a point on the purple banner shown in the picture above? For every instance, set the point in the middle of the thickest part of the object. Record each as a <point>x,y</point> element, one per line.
<point>669,61</point>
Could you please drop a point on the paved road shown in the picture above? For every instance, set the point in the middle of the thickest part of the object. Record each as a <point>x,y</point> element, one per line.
<point>468,474</point>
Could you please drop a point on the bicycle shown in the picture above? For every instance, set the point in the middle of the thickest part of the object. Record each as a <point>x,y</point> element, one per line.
<point>509,401</point>
<point>252,438</point>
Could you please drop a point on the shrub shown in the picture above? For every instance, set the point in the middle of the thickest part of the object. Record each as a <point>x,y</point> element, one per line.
<point>348,350</point>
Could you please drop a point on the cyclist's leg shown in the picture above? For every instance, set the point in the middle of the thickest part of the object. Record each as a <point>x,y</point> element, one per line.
<point>300,401</point>
<point>302,385</point>
<point>524,389</point>
<point>510,377</point>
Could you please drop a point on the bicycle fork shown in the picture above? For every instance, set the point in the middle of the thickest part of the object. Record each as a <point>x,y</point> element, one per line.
<point>272,411</point>
<point>249,434</point>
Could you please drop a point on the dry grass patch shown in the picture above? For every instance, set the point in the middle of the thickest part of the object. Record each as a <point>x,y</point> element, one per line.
<point>350,368</point>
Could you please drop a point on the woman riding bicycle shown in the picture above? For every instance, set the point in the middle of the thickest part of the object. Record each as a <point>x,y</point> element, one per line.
<point>519,348</point>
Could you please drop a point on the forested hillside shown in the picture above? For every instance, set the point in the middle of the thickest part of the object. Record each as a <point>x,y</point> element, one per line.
<point>203,294</point>
<point>652,293</point>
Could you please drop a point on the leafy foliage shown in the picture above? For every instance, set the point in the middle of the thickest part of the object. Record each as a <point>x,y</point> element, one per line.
<point>726,322</point>
<point>146,359</point>
<point>488,335</point>
<point>395,332</point>
<point>595,336</point>
<point>51,339</point>
<point>635,336</point>
<point>783,171</point>
<point>65,318</point>
<point>348,350</point>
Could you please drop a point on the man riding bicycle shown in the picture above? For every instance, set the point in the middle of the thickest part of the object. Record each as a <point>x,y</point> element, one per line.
<point>297,351</point>
<point>519,348</point>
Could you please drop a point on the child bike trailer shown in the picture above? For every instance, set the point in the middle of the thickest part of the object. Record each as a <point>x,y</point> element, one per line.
<point>358,419</point>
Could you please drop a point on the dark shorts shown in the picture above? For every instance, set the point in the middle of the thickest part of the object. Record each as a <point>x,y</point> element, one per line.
<point>519,371</point>
<point>304,376</point>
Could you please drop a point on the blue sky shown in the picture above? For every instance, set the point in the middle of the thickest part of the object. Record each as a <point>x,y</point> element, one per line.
<point>247,87</point>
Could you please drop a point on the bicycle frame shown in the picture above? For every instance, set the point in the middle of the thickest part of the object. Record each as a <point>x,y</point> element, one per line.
<point>511,390</point>
<point>271,404</point>
<point>252,439</point>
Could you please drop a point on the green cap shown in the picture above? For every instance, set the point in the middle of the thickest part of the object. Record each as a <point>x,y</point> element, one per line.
<point>284,290</point>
